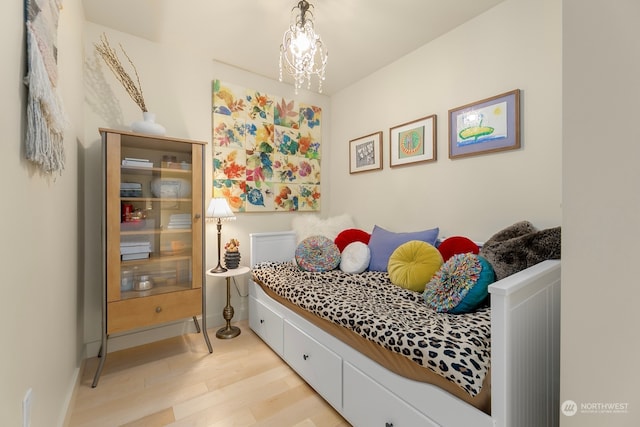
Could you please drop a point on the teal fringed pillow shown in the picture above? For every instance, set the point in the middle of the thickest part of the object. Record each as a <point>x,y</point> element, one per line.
<point>461,285</point>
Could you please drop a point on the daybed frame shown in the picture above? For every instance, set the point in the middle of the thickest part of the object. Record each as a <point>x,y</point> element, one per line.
<point>525,348</point>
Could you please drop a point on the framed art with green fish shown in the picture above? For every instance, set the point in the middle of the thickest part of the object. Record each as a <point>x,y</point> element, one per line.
<point>485,126</point>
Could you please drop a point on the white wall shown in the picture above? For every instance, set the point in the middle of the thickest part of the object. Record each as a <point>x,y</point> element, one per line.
<point>517,44</point>
<point>40,323</point>
<point>508,187</point>
<point>601,209</point>
<point>491,54</point>
<point>177,87</point>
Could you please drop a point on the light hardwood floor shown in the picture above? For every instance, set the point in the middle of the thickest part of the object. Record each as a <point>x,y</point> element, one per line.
<point>176,382</point>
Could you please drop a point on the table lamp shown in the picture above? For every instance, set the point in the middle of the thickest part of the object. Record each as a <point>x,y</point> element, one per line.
<point>219,210</point>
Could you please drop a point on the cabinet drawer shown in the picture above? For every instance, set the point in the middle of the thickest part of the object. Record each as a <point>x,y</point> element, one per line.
<point>319,366</point>
<point>266,324</point>
<point>367,403</point>
<point>151,310</point>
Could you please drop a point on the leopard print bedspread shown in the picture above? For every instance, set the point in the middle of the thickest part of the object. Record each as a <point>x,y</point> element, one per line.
<point>458,347</point>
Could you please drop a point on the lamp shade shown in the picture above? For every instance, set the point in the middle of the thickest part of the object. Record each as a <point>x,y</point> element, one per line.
<point>219,208</point>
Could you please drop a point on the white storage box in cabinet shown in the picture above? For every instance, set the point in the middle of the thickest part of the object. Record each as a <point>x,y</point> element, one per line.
<point>367,403</point>
<point>319,366</point>
<point>267,324</point>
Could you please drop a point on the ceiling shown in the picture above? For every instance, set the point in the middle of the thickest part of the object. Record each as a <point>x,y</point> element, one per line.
<point>361,36</point>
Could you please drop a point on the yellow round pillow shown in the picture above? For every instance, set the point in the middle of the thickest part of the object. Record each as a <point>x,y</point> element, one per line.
<point>413,264</point>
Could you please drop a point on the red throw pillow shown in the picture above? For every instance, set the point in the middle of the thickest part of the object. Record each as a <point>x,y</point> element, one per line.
<point>457,245</point>
<point>351,235</point>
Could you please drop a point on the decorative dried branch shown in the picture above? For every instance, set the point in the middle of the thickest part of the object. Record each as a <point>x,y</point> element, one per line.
<point>111,59</point>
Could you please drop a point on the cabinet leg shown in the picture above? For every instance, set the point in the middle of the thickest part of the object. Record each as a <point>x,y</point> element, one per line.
<point>195,322</point>
<point>205,333</point>
<point>206,339</point>
<point>102,355</point>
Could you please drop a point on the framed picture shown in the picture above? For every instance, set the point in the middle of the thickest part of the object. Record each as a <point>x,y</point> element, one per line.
<point>486,126</point>
<point>413,142</point>
<point>365,153</point>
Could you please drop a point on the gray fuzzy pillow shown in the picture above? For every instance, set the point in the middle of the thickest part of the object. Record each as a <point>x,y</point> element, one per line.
<point>516,230</point>
<point>519,247</point>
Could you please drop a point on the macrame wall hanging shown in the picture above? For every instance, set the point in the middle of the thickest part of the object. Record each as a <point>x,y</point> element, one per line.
<point>46,120</point>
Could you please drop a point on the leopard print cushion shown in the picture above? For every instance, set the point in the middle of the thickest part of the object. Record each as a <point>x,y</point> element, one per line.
<point>456,347</point>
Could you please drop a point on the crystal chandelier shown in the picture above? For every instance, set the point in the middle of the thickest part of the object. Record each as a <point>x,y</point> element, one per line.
<point>302,53</point>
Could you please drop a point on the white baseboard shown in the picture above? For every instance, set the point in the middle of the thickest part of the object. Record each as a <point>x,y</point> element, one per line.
<point>69,401</point>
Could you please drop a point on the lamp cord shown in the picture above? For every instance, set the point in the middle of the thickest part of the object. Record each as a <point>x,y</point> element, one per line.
<point>238,289</point>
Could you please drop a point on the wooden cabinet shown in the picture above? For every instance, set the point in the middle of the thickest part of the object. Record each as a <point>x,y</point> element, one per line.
<point>153,223</point>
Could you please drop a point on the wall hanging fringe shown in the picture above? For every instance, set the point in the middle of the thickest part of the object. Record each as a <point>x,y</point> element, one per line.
<point>46,119</point>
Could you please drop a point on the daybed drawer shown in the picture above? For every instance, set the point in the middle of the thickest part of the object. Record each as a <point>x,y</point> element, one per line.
<point>367,403</point>
<point>314,362</point>
<point>267,324</point>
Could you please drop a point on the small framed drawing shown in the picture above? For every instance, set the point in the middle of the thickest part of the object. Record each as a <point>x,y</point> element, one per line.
<point>413,142</point>
<point>365,153</point>
<point>486,126</point>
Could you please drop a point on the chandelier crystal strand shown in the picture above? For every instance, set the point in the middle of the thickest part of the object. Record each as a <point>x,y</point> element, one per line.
<point>302,53</point>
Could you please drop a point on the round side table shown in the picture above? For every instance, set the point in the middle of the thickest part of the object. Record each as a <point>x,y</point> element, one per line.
<point>229,331</point>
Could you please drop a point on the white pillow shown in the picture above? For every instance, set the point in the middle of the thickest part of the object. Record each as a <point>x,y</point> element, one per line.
<point>355,258</point>
<point>311,225</point>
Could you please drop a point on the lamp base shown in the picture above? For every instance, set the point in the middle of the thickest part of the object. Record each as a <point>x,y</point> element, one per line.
<point>218,269</point>
<point>228,332</point>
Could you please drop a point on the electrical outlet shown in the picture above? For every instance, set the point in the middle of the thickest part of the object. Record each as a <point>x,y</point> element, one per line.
<point>26,408</point>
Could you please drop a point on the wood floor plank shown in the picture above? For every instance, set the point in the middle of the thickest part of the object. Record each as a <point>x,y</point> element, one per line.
<point>176,382</point>
<point>238,396</point>
<point>161,418</point>
<point>238,419</point>
<point>296,407</point>
<point>277,403</point>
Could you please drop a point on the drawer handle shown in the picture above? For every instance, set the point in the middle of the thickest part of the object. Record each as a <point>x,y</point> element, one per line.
<point>305,356</point>
<point>388,424</point>
<point>261,321</point>
<point>158,309</point>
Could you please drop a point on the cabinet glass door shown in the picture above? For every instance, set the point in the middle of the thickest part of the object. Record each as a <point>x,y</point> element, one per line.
<point>158,215</point>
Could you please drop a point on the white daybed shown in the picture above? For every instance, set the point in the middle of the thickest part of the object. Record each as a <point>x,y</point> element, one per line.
<point>524,373</point>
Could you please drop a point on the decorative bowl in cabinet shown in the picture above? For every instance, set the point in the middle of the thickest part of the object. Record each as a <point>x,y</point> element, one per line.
<point>170,187</point>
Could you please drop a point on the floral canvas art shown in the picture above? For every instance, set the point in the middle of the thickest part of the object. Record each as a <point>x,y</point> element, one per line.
<point>266,150</point>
